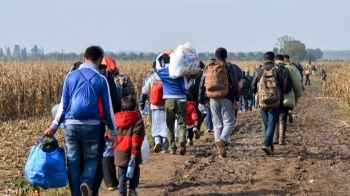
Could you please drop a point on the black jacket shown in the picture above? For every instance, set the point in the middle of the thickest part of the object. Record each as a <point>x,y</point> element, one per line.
<point>233,93</point>
<point>194,89</point>
<point>115,98</point>
<point>282,77</point>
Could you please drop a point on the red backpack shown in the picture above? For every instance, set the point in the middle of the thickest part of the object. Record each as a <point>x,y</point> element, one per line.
<point>156,97</point>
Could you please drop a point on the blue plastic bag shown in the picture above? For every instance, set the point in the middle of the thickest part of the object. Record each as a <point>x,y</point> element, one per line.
<point>46,170</point>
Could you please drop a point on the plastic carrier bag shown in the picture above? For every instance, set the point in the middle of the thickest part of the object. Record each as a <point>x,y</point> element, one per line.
<point>183,62</point>
<point>46,169</point>
<point>145,150</point>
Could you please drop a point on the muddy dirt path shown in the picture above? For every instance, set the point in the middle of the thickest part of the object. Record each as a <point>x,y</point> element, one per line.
<point>315,160</point>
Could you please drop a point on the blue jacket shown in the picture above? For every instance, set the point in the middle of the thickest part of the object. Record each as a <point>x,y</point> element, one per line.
<point>172,88</point>
<point>98,87</point>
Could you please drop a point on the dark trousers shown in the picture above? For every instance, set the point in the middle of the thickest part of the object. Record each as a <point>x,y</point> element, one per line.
<point>200,116</point>
<point>307,79</point>
<point>190,133</point>
<point>109,172</point>
<point>133,182</point>
<point>99,170</point>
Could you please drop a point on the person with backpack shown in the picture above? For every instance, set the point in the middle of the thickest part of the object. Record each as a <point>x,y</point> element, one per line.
<point>107,67</point>
<point>244,89</point>
<point>293,90</point>
<point>313,69</point>
<point>154,89</point>
<point>219,83</point>
<point>174,92</point>
<point>269,90</point>
<point>79,110</point>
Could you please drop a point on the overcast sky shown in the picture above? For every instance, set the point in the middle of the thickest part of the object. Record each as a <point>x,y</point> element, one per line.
<point>154,25</point>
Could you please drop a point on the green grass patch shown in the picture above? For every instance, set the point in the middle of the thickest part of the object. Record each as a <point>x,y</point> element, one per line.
<point>317,85</point>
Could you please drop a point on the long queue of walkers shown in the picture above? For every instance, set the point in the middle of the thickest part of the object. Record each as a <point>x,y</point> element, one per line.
<point>96,95</point>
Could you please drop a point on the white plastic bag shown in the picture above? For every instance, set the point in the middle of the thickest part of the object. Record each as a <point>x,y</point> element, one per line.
<point>145,150</point>
<point>183,62</point>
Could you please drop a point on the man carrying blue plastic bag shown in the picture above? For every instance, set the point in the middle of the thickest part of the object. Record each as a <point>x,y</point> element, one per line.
<point>79,110</point>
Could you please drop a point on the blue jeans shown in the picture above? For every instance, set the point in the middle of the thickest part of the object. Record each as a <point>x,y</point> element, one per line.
<point>209,120</point>
<point>270,119</point>
<point>254,101</point>
<point>83,138</point>
<point>245,100</point>
<point>133,182</point>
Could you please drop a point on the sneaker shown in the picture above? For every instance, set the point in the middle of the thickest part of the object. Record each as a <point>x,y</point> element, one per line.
<point>201,132</point>
<point>176,139</point>
<point>290,117</point>
<point>165,151</point>
<point>157,148</point>
<point>196,134</point>
<point>182,148</point>
<point>190,142</point>
<point>85,190</point>
<point>209,130</point>
<point>240,111</point>
<point>133,192</point>
<point>221,146</point>
<point>267,149</point>
<point>173,151</point>
<point>250,108</point>
<point>112,188</point>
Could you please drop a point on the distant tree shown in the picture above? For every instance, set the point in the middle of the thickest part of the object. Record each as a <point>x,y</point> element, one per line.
<point>275,50</point>
<point>1,53</point>
<point>310,57</point>
<point>250,56</point>
<point>24,53</point>
<point>132,56</point>
<point>151,56</point>
<point>202,56</point>
<point>123,56</point>
<point>259,56</point>
<point>8,52</point>
<point>16,52</point>
<point>241,56</point>
<point>35,50</point>
<point>211,55</point>
<point>142,56</point>
<point>296,50</point>
<point>317,53</point>
<point>282,41</point>
<point>231,56</point>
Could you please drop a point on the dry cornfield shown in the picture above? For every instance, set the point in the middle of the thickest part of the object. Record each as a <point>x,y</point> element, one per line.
<point>31,88</point>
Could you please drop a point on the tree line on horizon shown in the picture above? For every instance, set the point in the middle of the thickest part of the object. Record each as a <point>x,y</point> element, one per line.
<point>285,45</point>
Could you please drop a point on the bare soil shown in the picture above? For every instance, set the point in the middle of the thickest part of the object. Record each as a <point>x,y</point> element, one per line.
<point>315,160</point>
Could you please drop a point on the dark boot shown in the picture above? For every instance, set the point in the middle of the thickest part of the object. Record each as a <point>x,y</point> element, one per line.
<point>282,138</point>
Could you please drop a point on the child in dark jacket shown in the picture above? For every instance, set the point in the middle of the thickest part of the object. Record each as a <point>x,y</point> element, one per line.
<point>191,119</point>
<point>131,133</point>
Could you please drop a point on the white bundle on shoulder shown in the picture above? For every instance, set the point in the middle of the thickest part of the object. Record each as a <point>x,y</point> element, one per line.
<point>183,62</point>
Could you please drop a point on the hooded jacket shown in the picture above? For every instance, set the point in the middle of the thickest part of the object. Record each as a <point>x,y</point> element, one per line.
<point>192,116</point>
<point>291,98</point>
<point>233,94</point>
<point>131,133</point>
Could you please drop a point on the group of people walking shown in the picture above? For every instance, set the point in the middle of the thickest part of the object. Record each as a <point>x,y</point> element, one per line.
<point>95,94</point>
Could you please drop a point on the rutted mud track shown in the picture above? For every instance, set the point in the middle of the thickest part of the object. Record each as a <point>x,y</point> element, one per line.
<point>315,160</point>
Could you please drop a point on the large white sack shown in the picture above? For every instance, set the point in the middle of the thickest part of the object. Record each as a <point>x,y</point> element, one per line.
<point>145,150</point>
<point>183,62</point>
